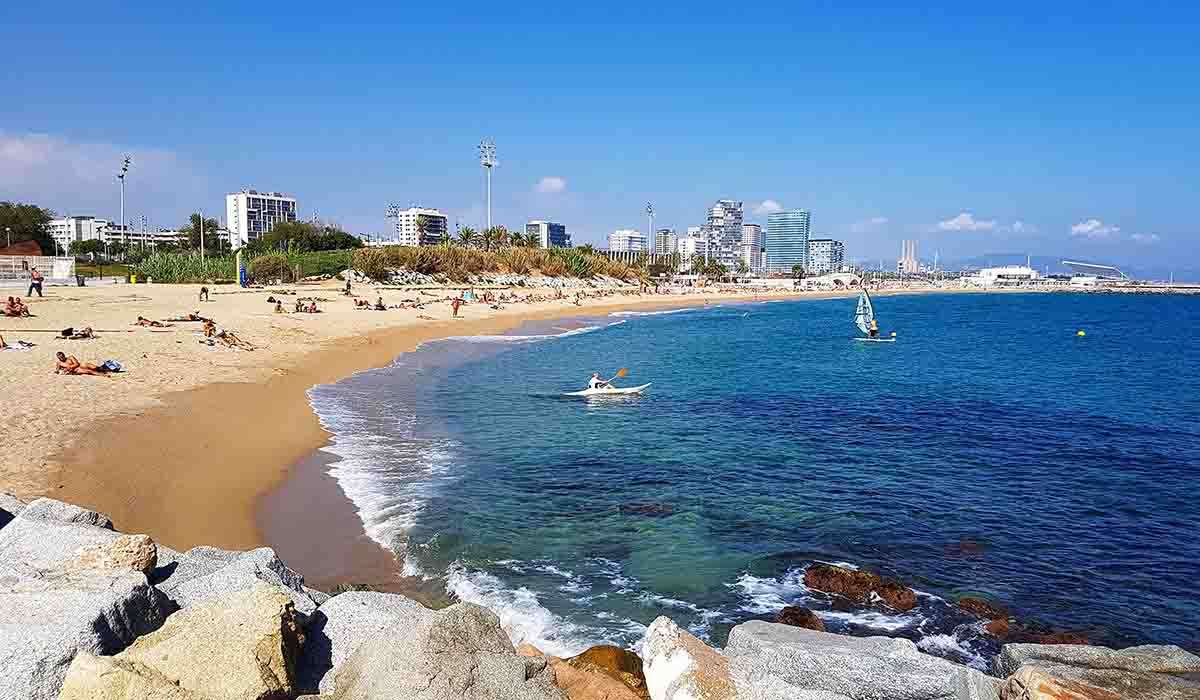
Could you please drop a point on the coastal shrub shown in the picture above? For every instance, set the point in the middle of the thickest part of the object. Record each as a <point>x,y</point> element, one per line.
<point>270,267</point>
<point>185,268</point>
<point>459,263</point>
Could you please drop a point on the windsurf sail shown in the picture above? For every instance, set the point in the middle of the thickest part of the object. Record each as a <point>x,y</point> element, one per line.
<point>865,312</point>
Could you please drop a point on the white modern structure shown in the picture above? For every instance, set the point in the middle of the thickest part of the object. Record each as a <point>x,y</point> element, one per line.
<point>550,234</point>
<point>250,214</point>
<point>908,264</point>
<point>825,255</point>
<point>753,247</point>
<point>73,229</point>
<point>1008,275</point>
<point>415,226</point>
<point>1086,269</point>
<point>723,229</point>
<point>691,246</point>
<point>665,241</point>
<point>627,241</point>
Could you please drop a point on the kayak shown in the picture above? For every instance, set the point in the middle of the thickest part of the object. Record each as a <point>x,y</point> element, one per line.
<point>609,391</point>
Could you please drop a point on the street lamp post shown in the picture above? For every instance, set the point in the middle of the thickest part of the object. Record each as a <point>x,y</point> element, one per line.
<point>650,233</point>
<point>121,177</point>
<point>8,233</point>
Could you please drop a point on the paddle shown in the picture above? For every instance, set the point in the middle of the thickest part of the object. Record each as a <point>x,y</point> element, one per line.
<point>620,373</point>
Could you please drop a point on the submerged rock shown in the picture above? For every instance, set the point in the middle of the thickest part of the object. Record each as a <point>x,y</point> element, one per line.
<point>680,667</point>
<point>858,586</point>
<point>800,617</point>
<point>771,656</point>
<point>457,653</point>
<point>982,608</point>
<point>650,510</point>
<point>241,645</point>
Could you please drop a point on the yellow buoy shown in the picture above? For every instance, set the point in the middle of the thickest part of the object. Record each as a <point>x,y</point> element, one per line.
<point>1080,333</point>
<point>893,334</point>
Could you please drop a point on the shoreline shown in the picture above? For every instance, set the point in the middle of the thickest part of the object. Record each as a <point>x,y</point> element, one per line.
<point>205,458</point>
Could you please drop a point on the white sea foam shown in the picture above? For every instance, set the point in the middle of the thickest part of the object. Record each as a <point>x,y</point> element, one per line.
<point>519,339</point>
<point>653,313</point>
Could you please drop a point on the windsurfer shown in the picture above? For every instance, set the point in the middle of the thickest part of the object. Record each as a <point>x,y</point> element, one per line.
<point>874,332</point>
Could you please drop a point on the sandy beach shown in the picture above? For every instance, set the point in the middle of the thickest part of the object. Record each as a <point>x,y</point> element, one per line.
<point>186,441</point>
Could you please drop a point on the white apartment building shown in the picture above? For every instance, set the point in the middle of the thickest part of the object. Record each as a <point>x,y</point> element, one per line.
<point>406,232</point>
<point>627,241</point>
<point>825,255</point>
<point>665,241</point>
<point>249,214</point>
<point>689,247</point>
<point>724,232</point>
<point>550,234</point>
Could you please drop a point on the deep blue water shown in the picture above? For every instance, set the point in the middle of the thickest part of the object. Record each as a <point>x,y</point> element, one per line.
<point>989,451</point>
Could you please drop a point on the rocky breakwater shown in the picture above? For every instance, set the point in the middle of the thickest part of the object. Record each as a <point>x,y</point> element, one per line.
<point>89,613</point>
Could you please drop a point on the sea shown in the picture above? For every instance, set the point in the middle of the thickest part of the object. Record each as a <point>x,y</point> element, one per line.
<point>1038,450</point>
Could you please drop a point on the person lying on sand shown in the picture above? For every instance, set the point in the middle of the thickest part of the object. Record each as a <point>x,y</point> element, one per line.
<point>69,365</point>
<point>209,328</point>
<point>142,321</point>
<point>230,339</point>
<point>72,334</point>
<point>361,304</point>
<point>189,317</point>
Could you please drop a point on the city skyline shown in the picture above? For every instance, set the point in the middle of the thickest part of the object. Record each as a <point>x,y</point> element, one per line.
<point>1048,139</point>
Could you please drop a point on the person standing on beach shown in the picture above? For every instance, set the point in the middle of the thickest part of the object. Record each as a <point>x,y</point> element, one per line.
<point>454,304</point>
<point>35,282</point>
<point>204,294</point>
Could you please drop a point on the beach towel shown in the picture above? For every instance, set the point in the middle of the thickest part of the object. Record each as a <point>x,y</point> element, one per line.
<point>21,346</point>
<point>111,366</point>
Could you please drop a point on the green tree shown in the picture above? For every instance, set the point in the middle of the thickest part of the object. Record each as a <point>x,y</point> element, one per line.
<point>303,236</point>
<point>28,222</point>
<point>468,237</point>
<point>94,246</point>
<point>192,232</point>
<point>798,271</point>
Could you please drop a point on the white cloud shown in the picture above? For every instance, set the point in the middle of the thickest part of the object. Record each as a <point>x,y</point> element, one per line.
<point>966,222</point>
<point>868,225</point>
<point>768,206</point>
<point>1018,227</point>
<point>1094,228</point>
<point>71,178</point>
<point>1145,237</point>
<point>551,185</point>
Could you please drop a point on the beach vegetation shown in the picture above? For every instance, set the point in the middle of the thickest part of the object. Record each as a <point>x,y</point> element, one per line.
<point>26,222</point>
<point>180,267</point>
<point>301,236</point>
<point>458,263</point>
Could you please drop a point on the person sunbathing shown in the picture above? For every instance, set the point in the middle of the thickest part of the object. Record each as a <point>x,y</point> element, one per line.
<point>72,334</point>
<point>279,308</point>
<point>299,306</point>
<point>379,305</point>
<point>312,307</point>
<point>361,304</point>
<point>68,364</point>
<point>233,341</point>
<point>150,324</point>
<point>210,328</point>
<point>189,317</point>
<point>15,307</point>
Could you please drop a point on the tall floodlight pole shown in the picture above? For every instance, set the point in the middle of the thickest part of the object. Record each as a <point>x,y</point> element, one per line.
<point>393,212</point>
<point>201,235</point>
<point>487,158</point>
<point>121,177</point>
<point>650,213</point>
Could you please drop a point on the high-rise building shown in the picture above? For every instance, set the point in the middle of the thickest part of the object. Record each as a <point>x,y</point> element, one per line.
<point>825,255</point>
<point>752,247</point>
<point>724,232</point>
<point>787,240</point>
<point>665,241</point>
<point>416,226</point>
<point>249,214</point>
<point>691,246</point>
<point>627,241</point>
<point>549,233</point>
<point>908,264</point>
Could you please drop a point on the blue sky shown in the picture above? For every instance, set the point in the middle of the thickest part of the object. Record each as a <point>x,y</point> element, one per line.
<point>1064,129</point>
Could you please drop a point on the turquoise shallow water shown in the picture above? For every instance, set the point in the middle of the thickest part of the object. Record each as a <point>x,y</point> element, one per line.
<point>989,451</point>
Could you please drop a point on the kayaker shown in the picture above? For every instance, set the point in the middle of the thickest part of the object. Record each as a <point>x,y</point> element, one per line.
<point>596,382</point>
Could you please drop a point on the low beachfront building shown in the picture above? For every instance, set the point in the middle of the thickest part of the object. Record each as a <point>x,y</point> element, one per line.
<point>627,241</point>
<point>1006,276</point>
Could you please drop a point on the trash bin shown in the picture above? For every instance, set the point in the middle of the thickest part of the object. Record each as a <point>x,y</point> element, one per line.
<point>133,279</point>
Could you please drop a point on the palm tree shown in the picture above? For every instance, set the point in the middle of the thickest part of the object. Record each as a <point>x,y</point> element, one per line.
<point>445,239</point>
<point>468,236</point>
<point>488,238</point>
<point>587,249</point>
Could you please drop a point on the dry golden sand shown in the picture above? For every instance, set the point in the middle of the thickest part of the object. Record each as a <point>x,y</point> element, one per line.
<point>184,443</point>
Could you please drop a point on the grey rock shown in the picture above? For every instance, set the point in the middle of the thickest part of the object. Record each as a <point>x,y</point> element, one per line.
<point>204,572</point>
<point>45,621</point>
<point>50,509</point>
<point>459,653</point>
<point>859,668</point>
<point>1150,658</point>
<point>34,546</point>
<point>341,625</point>
<point>10,507</point>
<point>1051,681</point>
<point>319,597</point>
